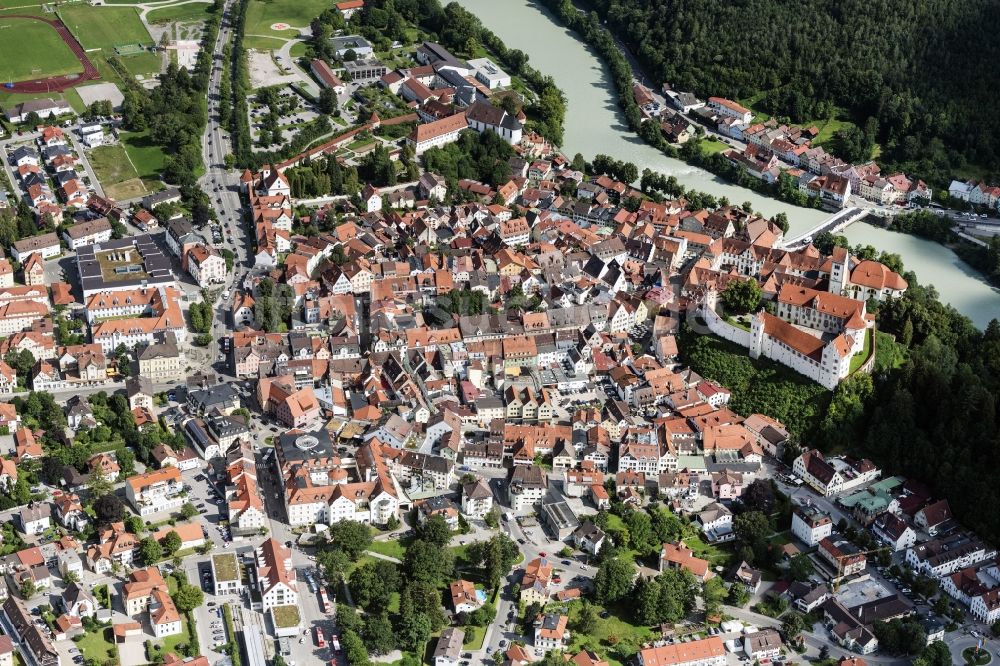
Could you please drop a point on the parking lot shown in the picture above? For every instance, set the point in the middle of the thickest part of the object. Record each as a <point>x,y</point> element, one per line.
<point>283,117</point>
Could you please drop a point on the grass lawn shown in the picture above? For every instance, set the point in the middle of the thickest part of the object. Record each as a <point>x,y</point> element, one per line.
<point>31,49</point>
<point>474,637</point>
<point>263,42</point>
<point>147,157</point>
<point>629,636</point>
<point>829,127</point>
<point>170,643</point>
<point>461,554</point>
<point>364,559</point>
<point>390,548</point>
<point>142,64</point>
<point>615,522</point>
<point>95,645</point>
<point>781,538</point>
<point>298,50</point>
<point>862,357</point>
<point>296,13</point>
<point>358,144</point>
<point>711,146</point>
<point>104,27</point>
<point>737,323</point>
<point>716,555</point>
<point>186,12</point>
<point>111,164</point>
<point>75,101</point>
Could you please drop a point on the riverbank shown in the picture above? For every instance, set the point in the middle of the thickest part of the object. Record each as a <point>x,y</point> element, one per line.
<point>595,125</point>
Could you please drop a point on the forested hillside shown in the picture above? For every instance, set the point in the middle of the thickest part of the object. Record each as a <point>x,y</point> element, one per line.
<point>927,71</point>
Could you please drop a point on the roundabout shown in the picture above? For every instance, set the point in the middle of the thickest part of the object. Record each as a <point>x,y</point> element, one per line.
<point>980,659</point>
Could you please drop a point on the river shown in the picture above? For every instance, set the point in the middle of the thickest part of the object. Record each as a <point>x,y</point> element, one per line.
<point>594,125</point>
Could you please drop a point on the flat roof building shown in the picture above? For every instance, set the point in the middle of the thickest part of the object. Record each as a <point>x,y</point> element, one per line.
<point>123,264</point>
<point>559,518</point>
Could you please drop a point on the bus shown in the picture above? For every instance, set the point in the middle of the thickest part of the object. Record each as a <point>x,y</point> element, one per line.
<point>320,639</point>
<point>324,601</point>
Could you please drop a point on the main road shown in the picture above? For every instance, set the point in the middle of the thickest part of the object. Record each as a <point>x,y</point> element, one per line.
<point>220,183</point>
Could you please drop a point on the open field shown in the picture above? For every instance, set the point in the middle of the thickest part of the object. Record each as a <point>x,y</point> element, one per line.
<point>186,12</point>
<point>95,645</point>
<point>31,49</point>
<point>145,64</point>
<point>711,146</point>
<point>116,173</point>
<point>262,43</point>
<point>103,28</point>
<point>296,13</point>
<point>146,156</point>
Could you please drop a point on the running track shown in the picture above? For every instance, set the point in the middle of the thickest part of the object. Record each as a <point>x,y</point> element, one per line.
<point>56,83</point>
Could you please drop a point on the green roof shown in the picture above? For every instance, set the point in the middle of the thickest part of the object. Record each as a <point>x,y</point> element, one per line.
<point>887,485</point>
<point>285,616</point>
<point>226,567</point>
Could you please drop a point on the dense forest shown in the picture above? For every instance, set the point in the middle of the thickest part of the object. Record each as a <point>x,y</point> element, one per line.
<point>921,75</point>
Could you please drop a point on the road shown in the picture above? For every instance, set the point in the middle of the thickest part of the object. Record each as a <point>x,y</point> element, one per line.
<point>221,184</point>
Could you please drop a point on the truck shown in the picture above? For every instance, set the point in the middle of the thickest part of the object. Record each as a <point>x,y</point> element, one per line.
<point>335,642</point>
<point>320,639</point>
<point>324,601</point>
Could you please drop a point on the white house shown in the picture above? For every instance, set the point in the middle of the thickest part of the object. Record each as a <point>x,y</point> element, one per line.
<point>448,651</point>
<point>371,199</point>
<point>589,538</point>
<point>551,632</point>
<point>477,499</point>
<point>894,531</point>
<point>463,596</point>
<point>487,73</point>
<point>810,524</point>
<point>35,518</point>
<point>155,492</point>
<point>727,107</point>
<point>483,116</point>
<point>761,645</point>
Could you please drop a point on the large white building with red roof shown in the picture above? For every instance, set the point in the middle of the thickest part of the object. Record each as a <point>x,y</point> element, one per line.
<point>276,576</point>
<point>824,361</point>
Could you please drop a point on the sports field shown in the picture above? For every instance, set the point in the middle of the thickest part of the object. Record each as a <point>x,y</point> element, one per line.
<point>296,13</point>
<point>104,27</point>
<point>32,49</point>
<point>187,12</point>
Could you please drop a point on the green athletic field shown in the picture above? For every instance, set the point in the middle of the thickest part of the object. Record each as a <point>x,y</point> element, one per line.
<point>104,27</point>
<point>297,13</point>
<point>33,50</point>
<point>187,12</point>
